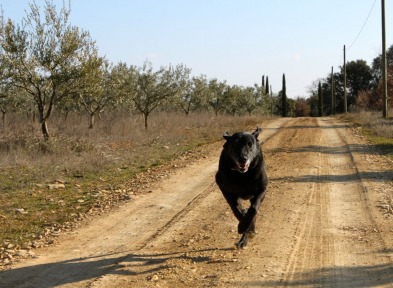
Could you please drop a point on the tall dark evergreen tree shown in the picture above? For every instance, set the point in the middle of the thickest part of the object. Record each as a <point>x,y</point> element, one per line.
<point>263,80</point>
<point>320,100</point>
<point>284,98</point>
<point>267,85</point>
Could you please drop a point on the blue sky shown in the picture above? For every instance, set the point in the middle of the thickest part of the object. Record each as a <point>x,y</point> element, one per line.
<point>237,41</point>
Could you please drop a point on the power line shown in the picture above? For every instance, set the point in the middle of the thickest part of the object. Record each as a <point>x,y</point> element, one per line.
<point>364,24</point>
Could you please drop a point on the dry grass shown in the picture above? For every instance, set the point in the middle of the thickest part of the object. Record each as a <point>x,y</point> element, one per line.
<point>378,129</point>
<point>92,166</point>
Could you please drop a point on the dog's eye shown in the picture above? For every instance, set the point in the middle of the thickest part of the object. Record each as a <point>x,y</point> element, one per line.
<point>249,144</point>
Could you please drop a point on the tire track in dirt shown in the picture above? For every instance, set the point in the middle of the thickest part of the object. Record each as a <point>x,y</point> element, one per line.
<point>314,247</point>
<point>339,231</point>
<point>181,214</point>
<point>317,226</point>
<point>357,236</point>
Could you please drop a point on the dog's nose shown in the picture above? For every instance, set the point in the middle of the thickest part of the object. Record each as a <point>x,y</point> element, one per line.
<point>243,158</point>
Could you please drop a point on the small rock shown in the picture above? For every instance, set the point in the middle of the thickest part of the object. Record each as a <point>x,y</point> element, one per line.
<point>22,253</point>
<point>153,278</point>
<point>10,246</point>
<point>21,211</point>
<point>127,197</point>
<point>56,186</point>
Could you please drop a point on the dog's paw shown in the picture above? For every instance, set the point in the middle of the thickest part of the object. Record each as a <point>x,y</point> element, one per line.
<point>244,240</point>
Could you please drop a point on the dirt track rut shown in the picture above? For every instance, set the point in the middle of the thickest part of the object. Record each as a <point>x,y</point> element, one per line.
<point>325,222</point>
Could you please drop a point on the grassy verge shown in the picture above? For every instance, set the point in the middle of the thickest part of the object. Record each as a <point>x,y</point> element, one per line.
<point>378,130</point>
<point>50,187</point>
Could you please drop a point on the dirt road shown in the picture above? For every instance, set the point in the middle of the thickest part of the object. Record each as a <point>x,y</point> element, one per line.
<point>326,222</point>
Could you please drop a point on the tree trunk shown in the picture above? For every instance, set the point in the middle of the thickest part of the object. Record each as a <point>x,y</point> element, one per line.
<point>44,129</point>
<point>3,117</point>
<point>91,123</point>
<point>145,115</point>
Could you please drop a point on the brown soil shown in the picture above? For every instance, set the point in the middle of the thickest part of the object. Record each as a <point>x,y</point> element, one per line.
<point>326,222</point>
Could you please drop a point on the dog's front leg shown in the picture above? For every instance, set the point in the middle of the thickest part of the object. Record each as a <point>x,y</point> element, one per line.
<point>233,202</point>
<point>247,223</point>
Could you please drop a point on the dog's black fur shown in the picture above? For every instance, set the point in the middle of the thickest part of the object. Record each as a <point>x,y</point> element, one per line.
<point>242,175</point>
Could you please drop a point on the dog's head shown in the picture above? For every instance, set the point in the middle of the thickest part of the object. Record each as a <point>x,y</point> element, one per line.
<point>242,148</point>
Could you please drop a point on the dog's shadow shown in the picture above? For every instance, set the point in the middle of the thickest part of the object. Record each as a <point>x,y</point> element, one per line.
<point>139,264</point>
<point>77,270</point>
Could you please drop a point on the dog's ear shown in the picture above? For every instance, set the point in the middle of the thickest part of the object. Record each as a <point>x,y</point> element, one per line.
<point>256,132</point>
<point>226,135</point>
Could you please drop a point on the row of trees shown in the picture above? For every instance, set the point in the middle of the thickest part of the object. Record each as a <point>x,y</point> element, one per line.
<point>47,64</point>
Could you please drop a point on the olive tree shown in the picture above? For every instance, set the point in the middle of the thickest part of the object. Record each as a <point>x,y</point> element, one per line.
<point>98,95</point>
<point>217,95</point>
<point>123,86</point>
<point>155,87</point>
<point>47,57</point>
<point>251,98</point>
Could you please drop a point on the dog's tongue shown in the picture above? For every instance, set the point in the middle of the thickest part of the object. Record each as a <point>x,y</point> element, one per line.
<point>243,167</point>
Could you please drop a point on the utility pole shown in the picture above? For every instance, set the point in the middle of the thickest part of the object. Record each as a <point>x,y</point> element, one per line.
<point>384,74</point>
<point>345,83</point>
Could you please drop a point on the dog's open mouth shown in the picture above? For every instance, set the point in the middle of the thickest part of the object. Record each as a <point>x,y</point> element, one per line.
<point>242,167</point>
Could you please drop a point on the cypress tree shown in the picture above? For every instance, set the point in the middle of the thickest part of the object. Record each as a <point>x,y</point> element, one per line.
<point>284,97</point>
<point>263,81</point>
<point>320,100</point>
<point>267,85</point>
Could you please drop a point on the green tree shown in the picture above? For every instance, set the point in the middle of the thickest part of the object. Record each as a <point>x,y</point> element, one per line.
<point>359,77</point>
<point>267,86</point>
<point>47,57</point>
<point>283,98</point>
<point>200,93</point>
<point>123,86</point>
<point>320,100</point>
<point>153,88</point>
<point>376,66</point>
<point>251,99</point>
<point>99,94</point>
<point>217,95</point>
<point>11,100</point>
<point>232,99</point>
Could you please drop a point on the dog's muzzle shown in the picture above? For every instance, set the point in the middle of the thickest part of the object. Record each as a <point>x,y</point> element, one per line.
<point>242,167</point>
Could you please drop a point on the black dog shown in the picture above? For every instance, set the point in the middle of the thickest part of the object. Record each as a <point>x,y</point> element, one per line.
<point>242,175</point>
